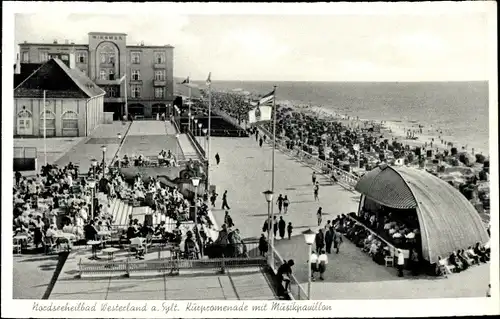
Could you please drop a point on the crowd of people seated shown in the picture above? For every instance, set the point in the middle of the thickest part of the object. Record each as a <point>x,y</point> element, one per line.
<point>164,158</point>
<point>54,206</point>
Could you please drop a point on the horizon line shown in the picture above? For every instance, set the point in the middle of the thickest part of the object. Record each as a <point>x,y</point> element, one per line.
<point>342,81</point>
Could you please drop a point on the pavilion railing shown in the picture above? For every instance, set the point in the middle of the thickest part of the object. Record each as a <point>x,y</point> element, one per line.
<point>296,291</point>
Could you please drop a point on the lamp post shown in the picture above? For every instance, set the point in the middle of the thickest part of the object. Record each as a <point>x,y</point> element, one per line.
<point>118,152</point>
<point>196,182</point>
<point>270,234</point>
<point>93,163</point>
<point>103,148</point>
<point>195,128</point>
<point>91,183</point>
<point>189,121</point>
<point>199,129</point>
<point>205,130</point>
<point>309,237</point>
<point>192,120</point>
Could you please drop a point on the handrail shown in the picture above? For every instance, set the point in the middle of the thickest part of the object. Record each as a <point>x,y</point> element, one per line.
<point>300,294</point>
<point>196,145</point>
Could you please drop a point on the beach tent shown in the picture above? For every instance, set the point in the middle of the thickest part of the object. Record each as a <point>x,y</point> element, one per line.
<point>448,221</point>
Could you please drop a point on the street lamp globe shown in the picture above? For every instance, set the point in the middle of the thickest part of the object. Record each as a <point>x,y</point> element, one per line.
<point>195,181</point>
<point>91,183</point>
<point>93,162</point>
<point>177,135</point>
<point>309,236</point>
<point>205,130</point>
<point>192,117</point>
<point>103,148</point>
<point>189,114</point>
<point>269,195</point>
<point>200,125</point>
<point>195,121</point>
<point>119,136</point>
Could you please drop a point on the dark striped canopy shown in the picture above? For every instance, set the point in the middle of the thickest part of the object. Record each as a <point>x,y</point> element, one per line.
<point>448,221</point>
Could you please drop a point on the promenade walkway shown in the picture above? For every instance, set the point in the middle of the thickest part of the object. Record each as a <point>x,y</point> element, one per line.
<point>245,171</point>
<point>187,147</point>
<point>90,147</point>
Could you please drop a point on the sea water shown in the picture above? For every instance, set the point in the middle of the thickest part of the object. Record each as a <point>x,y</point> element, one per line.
<point>457,109</point>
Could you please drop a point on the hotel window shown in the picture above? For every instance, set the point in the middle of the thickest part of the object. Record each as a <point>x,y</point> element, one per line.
<point>136,75</point>
<point>82,57</point>
<point>111,74</point>
<point>103,75</point>
<point>160,75</point>
<point>136,91</point>
<point>111,91</point>
<point>160,57</point>
<point>136,57</point>
<point>26,56</point>
<point>159,93</point>
<point>44,56</point>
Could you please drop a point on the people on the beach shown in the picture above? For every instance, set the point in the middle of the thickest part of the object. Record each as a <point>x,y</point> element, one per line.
<point>316,191</point>
<point>319,215</point>
<point>314,178</point>
<point>286,203</point>
<point>289,230</point>
<point>217,159</point>
<point>282,227</point>
<point>279,202</point>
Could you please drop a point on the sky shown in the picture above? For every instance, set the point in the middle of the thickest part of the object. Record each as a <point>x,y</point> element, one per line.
<point>327,47</point>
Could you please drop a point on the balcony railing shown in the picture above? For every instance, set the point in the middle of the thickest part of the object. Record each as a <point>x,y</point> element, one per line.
<point>114,99</point>
<point>107,82</point>
<point>160,65</point>
<point>159,82</point>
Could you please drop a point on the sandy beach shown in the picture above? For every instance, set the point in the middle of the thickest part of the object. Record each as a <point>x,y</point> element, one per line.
<point>397,131</point>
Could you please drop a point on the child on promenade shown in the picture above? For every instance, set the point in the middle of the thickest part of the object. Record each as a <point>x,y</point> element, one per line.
<point>316,191</point>
<point>286,202</point>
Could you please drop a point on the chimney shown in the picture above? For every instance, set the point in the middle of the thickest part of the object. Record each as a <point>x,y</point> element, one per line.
<point>72,60</point>
<point>18,65</point>
<point>55,42</point>
<point>66,41</point>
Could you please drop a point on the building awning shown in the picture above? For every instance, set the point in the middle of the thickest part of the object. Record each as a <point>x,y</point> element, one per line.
<point>448,221</point>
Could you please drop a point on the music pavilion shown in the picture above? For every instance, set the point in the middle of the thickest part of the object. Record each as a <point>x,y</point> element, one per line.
<point>447,221</point>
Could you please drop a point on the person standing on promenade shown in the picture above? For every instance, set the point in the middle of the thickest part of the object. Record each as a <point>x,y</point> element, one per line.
<point>217,158</point>
<point>275,226</point>
<point>282,227</point>
<point>283,277</point>
<point>224,201</point>
<point>263,247</point>
<point>329,240</point>
<point>316,192</point>
<point>279,202</point>
<point>322,262</point>
<point>314,178</point>
<point>289,229</point>
<point>401,263</point>
<point>286,202</point>
<point>261,141</point>
<point>337,240</point>
<point>267,225</point>
<point>213,198</point>
<point>228,220</point>
<point>313,259</point>
<point>320,240</point>
<point>319,215</point>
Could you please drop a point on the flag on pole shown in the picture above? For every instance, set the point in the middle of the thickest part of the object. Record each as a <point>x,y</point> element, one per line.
<point>209,81</point>
<point>186,81</point>
<point>266,98</point>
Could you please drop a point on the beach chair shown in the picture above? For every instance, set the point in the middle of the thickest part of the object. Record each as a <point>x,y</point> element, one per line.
<point>136,247</point>
<point>389,260</point>
<point>49,245</point>
<point>17,246</point>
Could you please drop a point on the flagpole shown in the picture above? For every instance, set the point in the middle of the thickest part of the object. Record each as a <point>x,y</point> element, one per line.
<point>126,100</point>
<point>209,132</point>
<point>189,108</point>
<point>272,178</point>
<point>44,128</point>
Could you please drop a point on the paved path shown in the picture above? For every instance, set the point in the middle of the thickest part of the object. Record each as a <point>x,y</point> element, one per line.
<point>187,147</point>
<point>31,275</point>
<point>245,284</point>
<point>90,147</point>
<point>144,128</point>
<point>169,128</point>
<point>245,171</point>
<point>56,148</point>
